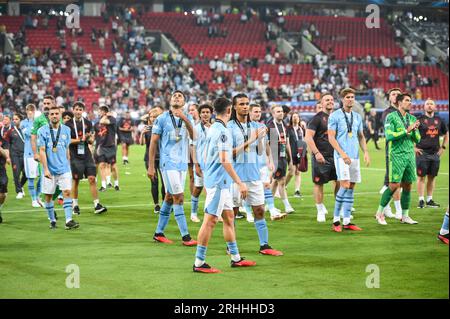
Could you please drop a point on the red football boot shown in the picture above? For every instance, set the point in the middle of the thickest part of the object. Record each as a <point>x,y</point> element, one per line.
<point>352,227</point>
<point>443,238</point>
<point>162,239</point>
<point>206,269</point>
<point>188,241</point>
<point>267,250</point>
<point>243,263</point>
<point>337,227</point>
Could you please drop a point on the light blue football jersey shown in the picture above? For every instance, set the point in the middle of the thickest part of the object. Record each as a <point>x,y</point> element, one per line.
<point>57,162</point>
<point>337,122</point>
<point>174,154</point>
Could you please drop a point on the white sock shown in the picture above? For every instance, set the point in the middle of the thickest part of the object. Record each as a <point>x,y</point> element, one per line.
<point>319,208</point>
<point>236,258</point>
<point>443,231</point>
<point>398,206</point>
<point>103,184</point>
<point>429,198</point>
<point>286,203</point>
<point>346,221</point>
<point>96,202</point>
<point>336,219</point>
<point>68,220</point>
<point>198,262</point>
<point>116,183</point>
<point>108,179</point>
<point>421,198</point>
<point>75,202</point>
<point>297,190</point>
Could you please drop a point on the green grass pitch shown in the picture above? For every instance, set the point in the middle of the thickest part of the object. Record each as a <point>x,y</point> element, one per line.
<point>117,257</point>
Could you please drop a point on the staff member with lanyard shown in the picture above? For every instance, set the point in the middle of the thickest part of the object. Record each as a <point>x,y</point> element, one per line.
<point>16,150</point>
<point>296,133</point>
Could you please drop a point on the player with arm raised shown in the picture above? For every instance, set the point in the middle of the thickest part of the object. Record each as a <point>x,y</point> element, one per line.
<point>172,131</point>
<point>401,129</point>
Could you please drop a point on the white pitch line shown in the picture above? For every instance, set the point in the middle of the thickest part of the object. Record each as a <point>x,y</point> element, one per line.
<point>186,203</point>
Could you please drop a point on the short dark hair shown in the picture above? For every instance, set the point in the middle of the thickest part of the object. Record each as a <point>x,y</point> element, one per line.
<point>20,116</point>
<point>286,109</point>
<point>178,91</point>
<point>67,113</point>
<point>402,96</point>
<point>49,97</point>
<point>104,108</point>
<point>79,104</point>
<point>205,106</point>
<point>54,107</point>
<point>221,104</point>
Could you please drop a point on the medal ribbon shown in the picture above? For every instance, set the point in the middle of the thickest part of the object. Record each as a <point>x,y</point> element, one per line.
<point>349,125</point>
<point>55,141</point>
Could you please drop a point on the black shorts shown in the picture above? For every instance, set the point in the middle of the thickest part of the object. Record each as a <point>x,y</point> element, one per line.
<point>281,169</point>
<point>125,139</point>
<point>428,164</point>
<point>83,168</point>
<point>106,155</point>
<point>323,173</point>
<point>3,183</point>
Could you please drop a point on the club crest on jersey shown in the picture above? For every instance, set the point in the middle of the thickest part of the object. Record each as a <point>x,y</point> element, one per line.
<point>223,138</point>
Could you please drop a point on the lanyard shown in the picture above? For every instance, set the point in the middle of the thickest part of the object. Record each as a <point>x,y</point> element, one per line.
<point>296,132</point>
<point>55,141</point>
<point>244,133</point>
<point>405,121</point>
<point>349,125</point>
<point>174,123</point>
<point>278,131</point>
<point>19,133</point>
<point>76,130</point>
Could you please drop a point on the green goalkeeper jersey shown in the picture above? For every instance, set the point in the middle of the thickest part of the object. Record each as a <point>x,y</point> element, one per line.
<point>401,144</point>
<point>39,122</point>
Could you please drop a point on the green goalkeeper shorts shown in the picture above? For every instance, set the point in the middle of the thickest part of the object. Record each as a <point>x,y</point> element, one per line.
<point>402,170</point>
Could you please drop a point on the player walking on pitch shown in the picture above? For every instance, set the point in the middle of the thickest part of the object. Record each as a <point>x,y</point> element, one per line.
<point>81,161</point>
<point>345,132</point>
<point>401,134</point>
<point>53,143</point>
<point>219,176</point>
<point>172,131</point>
